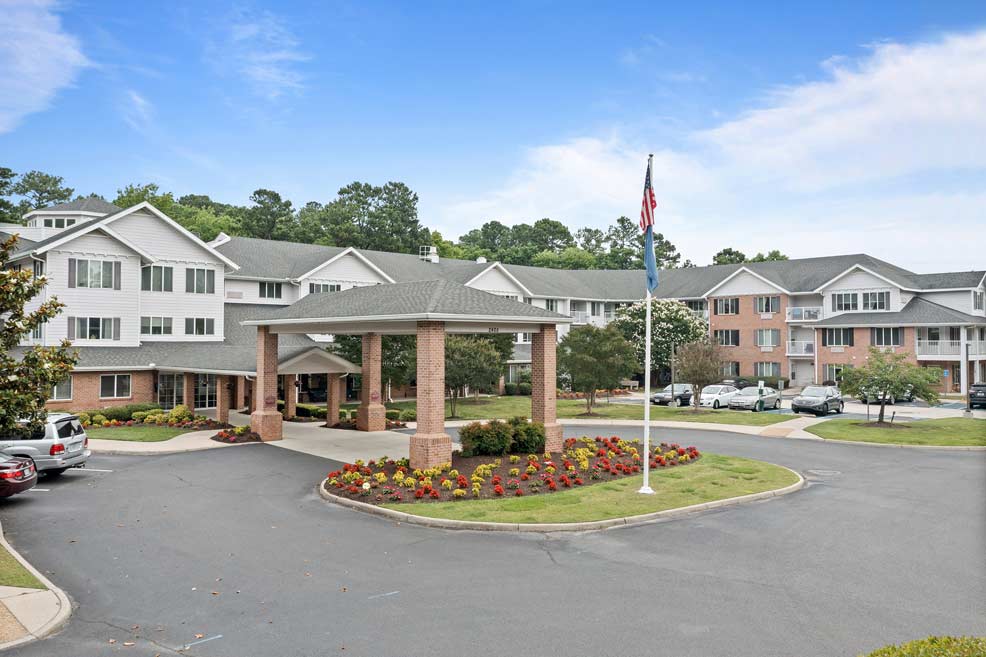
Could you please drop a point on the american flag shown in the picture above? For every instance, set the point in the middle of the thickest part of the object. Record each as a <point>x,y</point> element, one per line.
<point>649,204</point>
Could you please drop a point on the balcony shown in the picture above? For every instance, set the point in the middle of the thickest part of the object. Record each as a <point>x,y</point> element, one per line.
<point>940,348</point>
<point>702,314</point>
<point>804,313</point>
<point>800,348</point>
<point>579,316</point>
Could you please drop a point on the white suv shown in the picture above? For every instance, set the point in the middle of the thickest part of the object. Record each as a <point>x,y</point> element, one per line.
<point>62,444</point>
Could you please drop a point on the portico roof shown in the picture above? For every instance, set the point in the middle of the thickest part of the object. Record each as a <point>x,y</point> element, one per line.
<point>397,308</point>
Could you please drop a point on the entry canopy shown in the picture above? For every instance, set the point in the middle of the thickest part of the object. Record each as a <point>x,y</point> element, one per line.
<point>397,308</point>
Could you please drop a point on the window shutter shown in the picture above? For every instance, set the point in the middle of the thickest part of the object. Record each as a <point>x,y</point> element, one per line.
<point>737,334</point>
<point>116,326</point>
<point>852,333</point>
<point>190,280</point>
<point>825,338</point>
<point>834,305</point>
<point>71,272</point>
<point>873,336</point>
<point>189,326</point>
<point>117,270</point>
<point>71,328</point>
<point>210,286</point>
<point>715,306</point>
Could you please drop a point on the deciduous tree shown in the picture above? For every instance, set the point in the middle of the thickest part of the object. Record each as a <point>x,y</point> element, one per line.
<point>886,374</point>
<point>593,358</point>
<point>671,323</point>
<point>470,362</point>
<point>699,363</point>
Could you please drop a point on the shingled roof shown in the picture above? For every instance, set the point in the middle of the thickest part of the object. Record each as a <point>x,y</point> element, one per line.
<point>918,311</point>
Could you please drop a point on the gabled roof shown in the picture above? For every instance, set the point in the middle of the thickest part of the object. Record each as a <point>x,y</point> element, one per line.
<point>89,205</point>
<point>917,312</point>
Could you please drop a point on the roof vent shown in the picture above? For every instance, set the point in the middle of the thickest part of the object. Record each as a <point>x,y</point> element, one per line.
<point>481,260</point>
<point>428,253</point>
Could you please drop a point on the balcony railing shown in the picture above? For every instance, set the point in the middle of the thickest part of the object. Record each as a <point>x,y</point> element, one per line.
<point>800,348</point>
<point>701,314</point>
<point>804,313</point>
<point>580,316</point>
<point>940,348</point>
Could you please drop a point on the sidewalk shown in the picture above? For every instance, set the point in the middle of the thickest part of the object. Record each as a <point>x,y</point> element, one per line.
<point>30,614</point>
<point>192,441</point>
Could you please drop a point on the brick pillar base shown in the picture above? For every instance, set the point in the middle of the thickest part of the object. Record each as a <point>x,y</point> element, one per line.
<point>267,424</point>
<point>290,395</point>
<point>543,386</point>
<point>430,445</point>
<point>501,386</point>
<point>223,398</point>
<point>429,450</point>
<point>266,420</point>
<point>333,397</point>
<point>371,415</point>
<point>188,391</point>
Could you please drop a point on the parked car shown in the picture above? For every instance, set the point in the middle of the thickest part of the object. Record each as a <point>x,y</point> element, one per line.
<point>876,397</point>
<point>750,398</point>
<point>682,395</point>
<point>61,444</point>
<point>977,395</point>
<point>716,396</point>
<point>819,400</point>
<point>739,383</point>
<point>17,474</point>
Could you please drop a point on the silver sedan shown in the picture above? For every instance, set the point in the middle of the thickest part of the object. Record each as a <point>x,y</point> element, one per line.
<point>755,399</point>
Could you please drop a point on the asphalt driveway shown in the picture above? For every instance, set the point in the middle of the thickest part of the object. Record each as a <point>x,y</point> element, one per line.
<point>230,553</point>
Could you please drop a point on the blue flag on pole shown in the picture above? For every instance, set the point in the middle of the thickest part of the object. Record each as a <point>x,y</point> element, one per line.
<point>647,225</point>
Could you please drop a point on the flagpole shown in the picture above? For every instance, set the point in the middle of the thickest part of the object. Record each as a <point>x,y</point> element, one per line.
<point>646,489</point>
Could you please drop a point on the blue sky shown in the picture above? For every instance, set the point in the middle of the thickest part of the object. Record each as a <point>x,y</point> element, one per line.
<point>833,128</point>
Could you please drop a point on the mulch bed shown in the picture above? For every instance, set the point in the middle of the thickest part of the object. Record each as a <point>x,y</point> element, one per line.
<point>230,437</point>
<point>584,462</point>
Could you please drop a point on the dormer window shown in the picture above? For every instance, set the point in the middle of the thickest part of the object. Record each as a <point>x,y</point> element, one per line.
<point>876,300</point>
<point>845,301</point>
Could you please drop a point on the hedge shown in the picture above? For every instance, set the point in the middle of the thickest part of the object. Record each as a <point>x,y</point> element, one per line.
<point>393,415</point>
<point>121,413</point>
<point>496,438</point>
<point>936,646</point>
<point>409,415</point>
<point>523,388</point>
<point>510,388</point>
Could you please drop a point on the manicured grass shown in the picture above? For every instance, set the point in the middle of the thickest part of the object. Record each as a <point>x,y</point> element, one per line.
<point>486,408</point>
<point>953,431</point>
<point>713,477</point>
<point>12,573</point>
<point>141,434</point>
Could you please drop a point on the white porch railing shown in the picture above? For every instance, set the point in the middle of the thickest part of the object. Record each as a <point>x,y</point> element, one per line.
<point>800,348</point>
<point>580,316</point>
<point>804,313</point>
<point>977,347</point>
<point>701,314</point>
<point>940,348</point>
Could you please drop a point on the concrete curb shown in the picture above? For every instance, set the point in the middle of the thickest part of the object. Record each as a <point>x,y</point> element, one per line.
<point>162,452</point>
<point>596,525</point>
<point>944,448</point>
<point>63,607</point>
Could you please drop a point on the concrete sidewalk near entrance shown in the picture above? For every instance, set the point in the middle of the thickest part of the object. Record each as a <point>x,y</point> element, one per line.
<point>28,614</point>
<point>193,441</point>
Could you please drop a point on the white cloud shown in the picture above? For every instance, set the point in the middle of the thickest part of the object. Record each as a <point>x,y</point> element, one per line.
<point>260,47</point>
<point>138,112</point>
<point>895,138</point>
<point>37,59</point>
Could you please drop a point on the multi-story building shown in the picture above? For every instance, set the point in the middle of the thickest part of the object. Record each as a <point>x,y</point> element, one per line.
<point>156,312</point>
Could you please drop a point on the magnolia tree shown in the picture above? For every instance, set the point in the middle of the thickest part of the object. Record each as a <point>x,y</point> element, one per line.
<point>672,323</point>
<point>26,378</point>
<point>699,363</point>
<point>470,362</point>
<point>595,359</point>
<point>887,374</point>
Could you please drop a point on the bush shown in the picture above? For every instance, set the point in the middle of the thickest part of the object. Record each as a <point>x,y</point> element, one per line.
<point>393,415</point>
<point>528,437</point>
<point>772,381</point>
<point>180,413</point>
<point>409,415</point>
<point>310,410</point>
<point>99,420</point>
<point>510,388</point>
<point>523,388</point>
<point>121,413</point>
<point>343,416</point>
<point>936,646</point>
<point>489,439</point>
<point>84,418</point>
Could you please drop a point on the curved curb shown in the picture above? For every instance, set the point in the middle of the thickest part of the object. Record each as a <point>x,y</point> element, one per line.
<point>161,452</point>
<point>64,604</point>
<point>945,448</point>
<point>595,525</point>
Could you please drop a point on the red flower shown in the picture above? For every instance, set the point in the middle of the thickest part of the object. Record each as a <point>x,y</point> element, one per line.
<point>552,485</point>
<point>353,489</point>
<point>419,493</point>
<point>525,477</point>
<point>498,489</point>
<point>462,482</point>
<point>435,494</point>
<point>519,492</point>
<point>578,481</point>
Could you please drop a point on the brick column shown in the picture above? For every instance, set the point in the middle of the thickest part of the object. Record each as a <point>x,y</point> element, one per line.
<point>334,387</point>
<point>224,397</point>
<point>266,420</point>
<point>239,392</point>
<point>290,396</point>
<point>188,391</point>
<point>543,385</point>
<point>501,386</point>
<point>371,415</point>
<point>430,445</point>
<point>251,398</point>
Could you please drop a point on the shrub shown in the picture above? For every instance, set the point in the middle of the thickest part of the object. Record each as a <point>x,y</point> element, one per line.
<point>122,413</point>
<point>139,416</point>
<point>343,416</point>
<point>84,418</point>
<point>772,381</point>
<point>528,436</point>
<point>510,388</point>
<point>523,388</point>
<point>393,415</point>
<point>489,439</point>
<point>99,420</point>
<point>409,415</point>
<point>180,413</point>
<point>936,646</point>
<point>309,410</point>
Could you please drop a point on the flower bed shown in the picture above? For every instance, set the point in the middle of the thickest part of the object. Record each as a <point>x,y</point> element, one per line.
<point>237,435</point>
<point>583,462</point>
<point>198,424</point>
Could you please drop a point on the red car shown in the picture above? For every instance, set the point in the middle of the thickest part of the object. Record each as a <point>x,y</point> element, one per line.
<point>17,475</point>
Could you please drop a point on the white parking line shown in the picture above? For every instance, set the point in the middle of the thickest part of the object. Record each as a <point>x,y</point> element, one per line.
<point>92,470</point>
<point>39,490</point>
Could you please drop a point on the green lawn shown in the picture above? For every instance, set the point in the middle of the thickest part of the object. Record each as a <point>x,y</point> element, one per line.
<point>486,408</point>
<point>12,573</point>
<point>142,434</point>
<point>713,477</point>
<point>949,431</point>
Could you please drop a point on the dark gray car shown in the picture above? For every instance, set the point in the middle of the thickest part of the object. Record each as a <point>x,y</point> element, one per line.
<point>820,400</point>
<point>60,445</point>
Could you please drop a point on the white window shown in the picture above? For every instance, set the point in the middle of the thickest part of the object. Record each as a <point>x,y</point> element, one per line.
<point>61,391</point>
<point>552,305</point>
<point>37,333</point>
<point>727,338</point>
<point>94,273</point>
<point>886,337</point>
<point>56,222</point>
<point>978,300</point>
<point>768,337</point>
<point>200,281</point>
<point>768,304</point>
<point>845,301</point>
<point>200,326</point>
<point>39,268</point>
<point>114,386</point>
<point>833,372</point>
<point>270,290</point>
<point>525,337</point>
<point>597,308</point>
<point>876,300</point>
<point>529,301</point>
<point>767,369</point>
<point>155,278</point>
<point>315,288</point>
<point>730,369</point>
<point>155,326</point>
<point>726,306</point>
<point>94,328</point>
<point>837,337</point>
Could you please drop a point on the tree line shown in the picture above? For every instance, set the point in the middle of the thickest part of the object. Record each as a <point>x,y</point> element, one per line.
<point>377,217</point>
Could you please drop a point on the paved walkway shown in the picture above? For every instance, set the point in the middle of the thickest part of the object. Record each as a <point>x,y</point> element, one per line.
<point>192,441</point>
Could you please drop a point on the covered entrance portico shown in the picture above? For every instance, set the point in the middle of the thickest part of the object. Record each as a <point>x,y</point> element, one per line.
<point>429,310</point>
